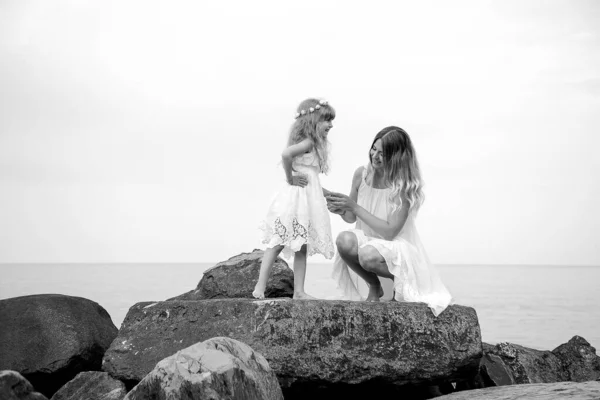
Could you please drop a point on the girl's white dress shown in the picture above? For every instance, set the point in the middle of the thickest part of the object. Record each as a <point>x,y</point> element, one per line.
<point>299,216</point>
<point>415,278</point>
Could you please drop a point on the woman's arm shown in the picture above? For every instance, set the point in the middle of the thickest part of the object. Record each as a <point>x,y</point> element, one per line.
<point>346,214</point>
<point>388,229</point>
<point>287,156</point>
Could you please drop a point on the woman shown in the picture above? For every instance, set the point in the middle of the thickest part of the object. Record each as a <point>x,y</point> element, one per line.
<point>384,200</point>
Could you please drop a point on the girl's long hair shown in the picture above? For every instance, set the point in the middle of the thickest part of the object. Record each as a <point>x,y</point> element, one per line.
<point>305,126</point>
<point>400,167</point>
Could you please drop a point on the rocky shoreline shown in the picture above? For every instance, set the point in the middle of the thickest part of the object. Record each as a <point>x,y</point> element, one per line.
<point>217,342</point>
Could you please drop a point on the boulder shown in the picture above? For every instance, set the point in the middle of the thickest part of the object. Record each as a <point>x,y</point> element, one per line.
<point>579,360</point>
<point>236,278</point>
<point>530,365</point>
<point>92,385</point>
<point>218,368</point>
<point>309,341</point>
<point>537,391</point>
<point>50,338</point>
<point>13,386</point>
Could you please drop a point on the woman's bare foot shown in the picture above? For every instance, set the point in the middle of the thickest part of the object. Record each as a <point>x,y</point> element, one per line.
<point>303,296</point>
<point>258,294</point>
<point>375,292</point>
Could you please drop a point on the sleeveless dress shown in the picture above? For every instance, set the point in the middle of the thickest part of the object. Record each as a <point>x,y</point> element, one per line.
<point>299,216</point>
<point>415,278</point>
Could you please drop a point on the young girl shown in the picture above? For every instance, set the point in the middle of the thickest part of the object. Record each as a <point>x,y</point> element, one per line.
<point>298,220</point>
<point>384,199</point>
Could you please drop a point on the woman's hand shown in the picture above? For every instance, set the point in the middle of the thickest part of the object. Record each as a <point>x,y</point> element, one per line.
<point>334,210</point>
<point>339,201</point>
<point>299,180</point>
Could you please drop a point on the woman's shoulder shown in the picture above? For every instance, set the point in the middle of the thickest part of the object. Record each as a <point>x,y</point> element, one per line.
<point>359,175</point>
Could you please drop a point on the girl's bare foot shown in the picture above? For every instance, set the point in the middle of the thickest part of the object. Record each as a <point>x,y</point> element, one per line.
<point>258,294</point>
<point>375,292</point>
<point>303,296</point>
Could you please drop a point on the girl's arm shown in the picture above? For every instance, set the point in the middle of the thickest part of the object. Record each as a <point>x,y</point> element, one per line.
<point>287,157</point>
<point>346,214</point>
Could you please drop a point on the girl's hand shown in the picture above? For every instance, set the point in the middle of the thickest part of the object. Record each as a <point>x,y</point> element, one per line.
<point>299,180</point>
<point>340,201</point>
<point>334,210</point>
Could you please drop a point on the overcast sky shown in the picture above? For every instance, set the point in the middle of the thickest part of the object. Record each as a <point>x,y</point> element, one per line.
<point>139,131</point>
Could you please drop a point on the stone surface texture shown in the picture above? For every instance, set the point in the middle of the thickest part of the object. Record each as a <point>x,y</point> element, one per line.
<point>50,338</point>
<point>236,277</point>
<point>13,386</point>
<point>218,368</point>
<point>537,391</point>
<point>309,341</point>
<point>92,385</point>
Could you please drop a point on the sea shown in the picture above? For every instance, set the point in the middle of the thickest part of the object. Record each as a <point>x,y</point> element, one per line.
<point>532,305</point>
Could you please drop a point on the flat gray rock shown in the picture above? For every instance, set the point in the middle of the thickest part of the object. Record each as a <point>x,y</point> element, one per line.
<point>534,391</point>
<point>343,342</point>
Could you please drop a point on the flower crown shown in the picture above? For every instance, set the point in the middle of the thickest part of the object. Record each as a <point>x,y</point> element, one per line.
<point>311,109</point>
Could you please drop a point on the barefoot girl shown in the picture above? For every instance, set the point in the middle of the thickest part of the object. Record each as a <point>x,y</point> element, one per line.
<point>298,220</point>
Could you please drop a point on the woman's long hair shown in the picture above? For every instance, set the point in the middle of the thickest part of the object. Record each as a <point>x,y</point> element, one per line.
<point>305,126</point>
<point>400,167</point>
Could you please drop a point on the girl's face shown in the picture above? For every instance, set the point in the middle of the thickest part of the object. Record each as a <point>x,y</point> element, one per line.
<point>377,155</point>
<point>323,128</point>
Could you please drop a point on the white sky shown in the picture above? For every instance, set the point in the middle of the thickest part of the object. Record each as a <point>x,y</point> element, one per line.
<point>139,131</point>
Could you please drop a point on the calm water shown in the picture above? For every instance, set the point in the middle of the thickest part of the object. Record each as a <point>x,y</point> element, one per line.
<point>536,306</point>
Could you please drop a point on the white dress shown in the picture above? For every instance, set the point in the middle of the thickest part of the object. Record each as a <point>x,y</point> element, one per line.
<point>299,215</point>
<point>415,278</point>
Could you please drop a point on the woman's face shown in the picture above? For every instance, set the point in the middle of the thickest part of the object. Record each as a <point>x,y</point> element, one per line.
<point>377,155</point>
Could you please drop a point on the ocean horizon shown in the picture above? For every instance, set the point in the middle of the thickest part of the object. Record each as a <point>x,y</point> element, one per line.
<point>538,306</point>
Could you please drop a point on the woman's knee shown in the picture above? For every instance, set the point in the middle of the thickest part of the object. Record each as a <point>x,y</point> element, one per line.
<point>346,243</point>
<point>369,258</point>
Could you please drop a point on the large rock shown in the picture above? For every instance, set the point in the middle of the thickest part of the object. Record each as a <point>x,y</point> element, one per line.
<point>50,338</point>
<point>13,386</point>
<point>92,385</point>
<point>538,391</point>
<point>236,278</point>
<point>579,360</point>
<point>530,365</point>
<point>218,368</point>
<point>309,341</point>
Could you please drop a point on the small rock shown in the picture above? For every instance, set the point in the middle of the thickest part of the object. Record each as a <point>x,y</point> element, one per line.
<point>529,365</point>
<point>14,387</point>
<point>92,386</point>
